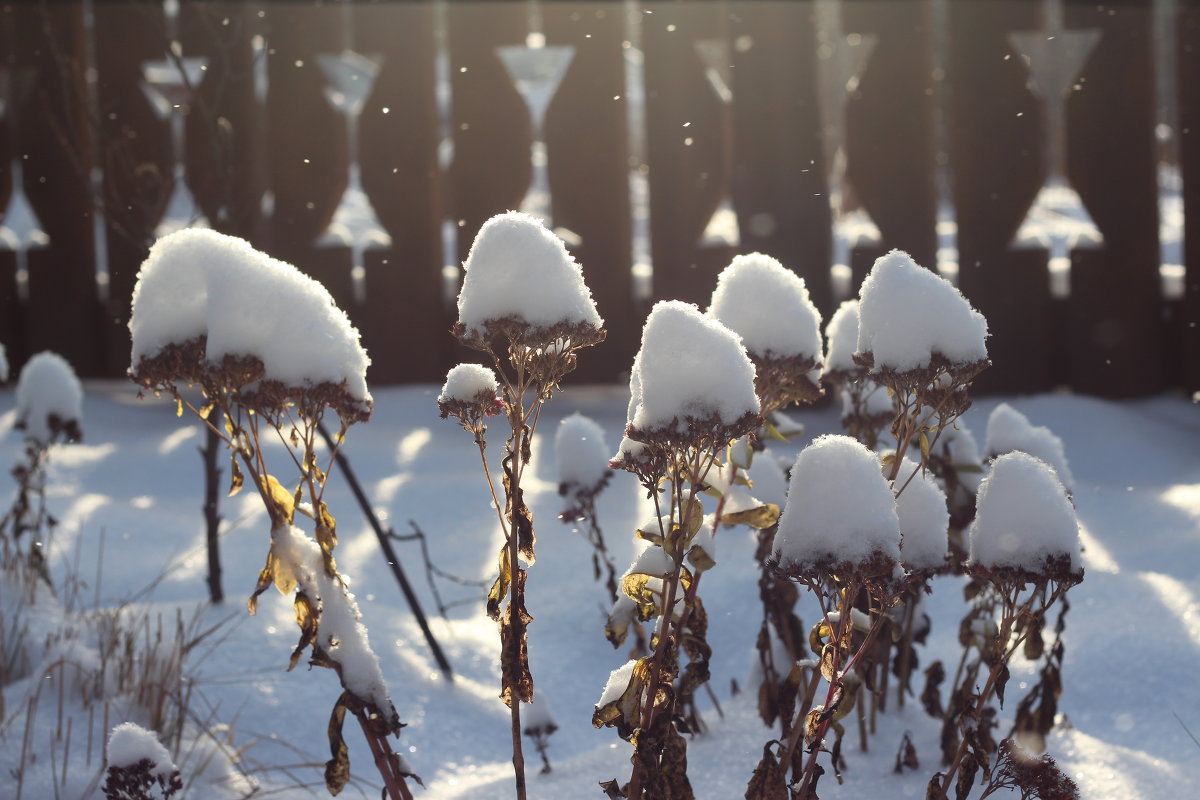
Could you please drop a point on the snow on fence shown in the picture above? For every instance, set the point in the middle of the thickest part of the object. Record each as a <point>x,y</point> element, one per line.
<point>1026,148</point>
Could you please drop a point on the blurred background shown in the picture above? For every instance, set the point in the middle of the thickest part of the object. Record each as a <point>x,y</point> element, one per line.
<point>1042,154</point>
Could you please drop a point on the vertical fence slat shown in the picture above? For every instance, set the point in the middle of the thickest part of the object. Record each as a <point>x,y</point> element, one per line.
<point>688,130</point>
<point>1116,305</point>
<point>995,140</point>
<point>306,142</point>
<point>889,130</point>
<point>490,125</point>
<point>779,172</point>
<point>63,309</point>
<point>223,128</point>
<point>134,153</point>
<point>1189,139</point>
<point>11,313</point>
<point>586,145</point>
<point>399,136</point>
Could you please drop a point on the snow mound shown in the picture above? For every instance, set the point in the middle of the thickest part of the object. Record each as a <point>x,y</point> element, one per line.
<point>519,269</point>
<point>839,508</point>
<point>196,282</point>
<point>581,452</point>
<point>468,383</point>
<point>129,743</point>
<point>689,367</point>
<point>841,334</point>
<point>1009,430</point>
<point>908,314</point>
<point>1023,517</point>
<point>924,519</point>
<point>768,306</point>
<point>49,398</point>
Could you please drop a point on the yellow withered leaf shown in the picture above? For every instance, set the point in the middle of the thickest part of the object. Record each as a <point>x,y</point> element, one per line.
<point>760,517</point>
<point>282,499</point>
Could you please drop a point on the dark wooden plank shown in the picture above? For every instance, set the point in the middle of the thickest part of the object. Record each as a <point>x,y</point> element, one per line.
<point>55,141</point>
<point>586,141</point>
<point>224,126</point>
<point>306,142</point>
<point>779,172</point>
<point>889,129</point>
<point>399,139</point>
<point>1188,43</point>
<point>1116,297</point>
<point>688,151</point>
<point>996,156</point>
<point>133,151</point>
<point>12,332</point>
<point>490,123</point>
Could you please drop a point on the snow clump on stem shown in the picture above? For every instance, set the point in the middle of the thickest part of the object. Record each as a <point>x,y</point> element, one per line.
<point>769,307</point>
<point>522,284</point>
<point>581,453</point>
<point>840,515</point>
<point>924,519</point>
<point>1024,523</point>
<point>692,381</point>
<point>210,309</point>
<point>49,400</point>
<point>914,324</point>
<point>1009,430</point>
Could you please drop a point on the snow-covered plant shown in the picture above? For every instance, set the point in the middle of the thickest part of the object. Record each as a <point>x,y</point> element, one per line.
<point>139,767</point>
<point>867,407</point>
<point>1024,547</point>
<point>525,305</point>
<point>920,338</point>
<point>539,726</point>
<point>269,351</point>
<point>839,536</point>
<point>49,411</point>
<point>582,456</point>
<point>768,305</point>
<point>691,395</point>
<point>1009,430</point>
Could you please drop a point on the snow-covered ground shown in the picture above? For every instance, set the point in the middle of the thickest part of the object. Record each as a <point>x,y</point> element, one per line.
<point>1132,637</point>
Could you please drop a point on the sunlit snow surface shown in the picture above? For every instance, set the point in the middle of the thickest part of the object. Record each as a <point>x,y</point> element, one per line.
<point>1137,488</point>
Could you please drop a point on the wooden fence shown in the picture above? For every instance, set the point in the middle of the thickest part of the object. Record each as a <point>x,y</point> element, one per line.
<point>711,105</point>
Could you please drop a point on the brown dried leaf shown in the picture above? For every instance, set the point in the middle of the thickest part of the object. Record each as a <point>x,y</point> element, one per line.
<point>337,768</point>
<point>308,620</point>
<point>500,588</point>
<point>266,577</point>
<point>516,679</point>
<point>768,781</point>
<point>674,766</point>
<point>237,479</point>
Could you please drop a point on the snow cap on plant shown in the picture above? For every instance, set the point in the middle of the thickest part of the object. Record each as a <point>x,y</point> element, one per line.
<point>1009,430</point>
<point>692,382</point>
<point>137,763</point>
<point>841,336</point>
<point>840,515</point>
<point>210,309</point>
<point>470,393</point>
<point>915,326</point>
<point>924,519</point>
<point>581,453</point>
<point>1025,526</point>
<point>49,400</point>
<point>769,307</point>
<point>521,285</point>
